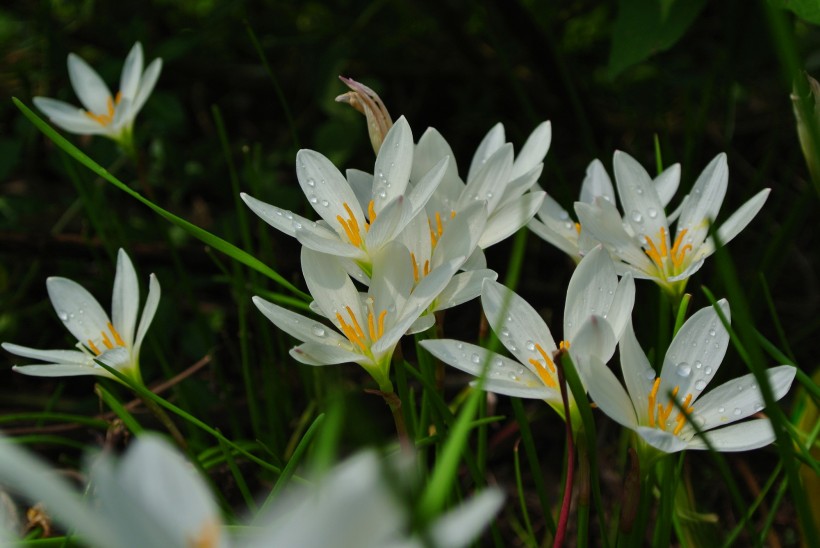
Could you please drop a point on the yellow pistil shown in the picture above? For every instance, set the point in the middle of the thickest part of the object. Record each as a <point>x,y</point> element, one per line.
<point>546,377</point>
<point>661,252</point>
<point>108,117</point>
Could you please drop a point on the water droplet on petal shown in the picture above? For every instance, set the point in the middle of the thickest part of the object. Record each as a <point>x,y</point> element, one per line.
<point>530,345</point>
<point>313,200</point>
<point>637,217</point>
<point>758,407</point>
<point>684,369</point>
<point>698,364</point>
<point>63,316</point>
<point>638,190</point>
<point>738,411</point>
<point>460,346</point>
<point>650,374</point>
<point>712,332</point>
<point>512,347</point>
<point>700,385</point>
<point>708,371</point>
<point>652,212</point>
<point>721,409</point>
<point>325,203</point>
<point>498,362</point>
<point>475,358</point>
<point>513,376</point>
<point>318,330</point>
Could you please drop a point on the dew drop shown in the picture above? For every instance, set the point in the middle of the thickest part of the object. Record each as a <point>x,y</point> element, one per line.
<point>512,347</point>
<point>297,225</point>
<point>509,318</point>
<point>721,409</point>
<point>684,369</point>
<point>738,411</point>
<point>460,346</point>
<point>740,388</point>
<point>637,217</point>
<point>311,183</point>
<point>650,374</point>
<point>563,215</point>
<point>652,212</point>
<point>698,364</point>
<point>489,195</point>
<point>505,332</point>
<point>530,345</point>
<point>313,200</point>
<point>325,203</point>
<point>712,332</point>
<point>758,407</point>
<point>569,226</point>
<point>318,330</point>
<point>708,371</point>
<point>475,358</point>
<point>63,316</point>
<point>638,190</point>
<point>498,362</point>
<point>383,194</point>
<point>512,376</point>
<point>700,385</point>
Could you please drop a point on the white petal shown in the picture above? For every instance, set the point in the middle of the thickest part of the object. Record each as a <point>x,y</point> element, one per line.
<point>298,326</point>
<point>89,87</point>
<point>662,440</point>
<point>67,116</point>
<point>533,151</point>
<point>597,184</point>
<point>426,186</point>
<point>148,311</point>
<point>125,300</point>
<point>608,394</point>
<point>590,290</point>
<point>491,142</point>
<point>330,286</point>
<point>738,437</point>
<point>361,183</point>
<point>558,238</point>
<point>131,72</point>
<point>695,354</point>
<point>620,310</point>
<point>742,217</point>
<point>327,190</point>
<point>476,261</point>
<point>278,218</point>
<point>740,398</point>
<point>604,223</point>
<point>504,376</point>
<point>393,217</point>
<point>642,206</point>
<point>392,278</point>
<point>461,234</point>
<point>464,287</point>
<point>705,199</point>
<point>72,357</point>
<point>667,184</point>
<point>147,83</point>
<point>392,171</point>
<point>517,324</point>
<point>319,238</point>
<point>61,370</point>
<point>316,354</point>
<point>422,323</point>
<point>462,525</point>
<point>518,186</point>
<point>594,338</point>
<point>508,219</point>
<point>429,151</point>
<point>78,309</point>
<point>638,374</point>
<point>490,181</point>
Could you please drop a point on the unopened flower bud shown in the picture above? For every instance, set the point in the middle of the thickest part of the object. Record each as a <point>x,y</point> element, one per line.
<point>366,101</point>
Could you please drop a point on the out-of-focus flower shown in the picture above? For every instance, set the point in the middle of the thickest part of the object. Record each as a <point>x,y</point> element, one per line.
<point>115,342</point>
<point>153,497</point>
<point>555,225</point>
<point>369,326</point>
<point>597,310</point>
<point>690,364</point>
<point>644,243</point>
<point>355,226</point>
<point>367,101</point>
<point>104,114</point>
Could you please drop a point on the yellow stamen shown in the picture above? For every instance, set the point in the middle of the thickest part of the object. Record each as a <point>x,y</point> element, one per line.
<point>678,252</point>
<point>652,395</point>
<point>93,347</point>
<point>578,227</point>
<point>371,326</point>
<point>351,333</point>
<point>433,237</point>
<point>381,324</point>
<point>681,418</point>
<point>662,241</point>
<point>546,378</point>
<point>371,212</point>
<point>452,213</point>
<point>415,267</point>
<point>355,323</point>
<point>350,226</point>
<point>439,226</point>
<point>117,337</point>
<point>653,252</point>
<point>546,358</point>
<point>426,267</point>
<point>108,117</point>
<point>106,341</point>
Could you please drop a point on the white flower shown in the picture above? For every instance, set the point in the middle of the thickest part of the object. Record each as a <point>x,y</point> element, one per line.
<point>104,114</point>
<point>644,242</point>
<point>355,226</point>
<point>116,341</point>
<point>369,326</point>
<point>690,364</point>
<point>495,176</point>
<point>555,225</point>
<point>597,310</point>
<point>153,497</point>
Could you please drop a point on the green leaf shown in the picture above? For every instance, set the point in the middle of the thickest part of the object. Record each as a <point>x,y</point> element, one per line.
<point>808,10</point>
<point>646,27</point>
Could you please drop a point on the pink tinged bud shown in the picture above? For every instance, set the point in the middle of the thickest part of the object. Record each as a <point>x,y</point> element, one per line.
<point>366,101</point>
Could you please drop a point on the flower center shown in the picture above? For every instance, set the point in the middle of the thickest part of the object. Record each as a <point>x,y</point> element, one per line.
<point>659,414</point>
<point>354,332</point>
<point>661,255</point>
<point>547,377</point>
<point>351,225</point>
<point>438,230</point>
<point>108,117</point>
<point>106,340</point>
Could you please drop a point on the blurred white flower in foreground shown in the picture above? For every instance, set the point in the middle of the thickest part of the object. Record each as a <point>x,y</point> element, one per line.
<point>355,226</point>
<point>369,325</point>
<point>644,243</point>
<point>153,497</point>
<point>104,114</point>
<point>690,364</point>
<point>554,225</point>
<point>116,341</point>
<point>597,310</point>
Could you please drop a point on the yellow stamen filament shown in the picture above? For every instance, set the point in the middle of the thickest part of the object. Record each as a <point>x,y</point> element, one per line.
<point>439,226</point>
<point>652,395</point>
<point>438,230</point>
<point>106,340</point>
<point>426,267</point>
<point>117,337</point>
<point>93,347</point>
<point>578,228</point>
<point>354,332</point>
<point>546,377</point>
<point>371,213</point>
<point>433,237</point>
<point>351,226</point>
<point>415,267</point>
<point>659,253</point>
<point>681,418</point>
<point>108,117</point>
